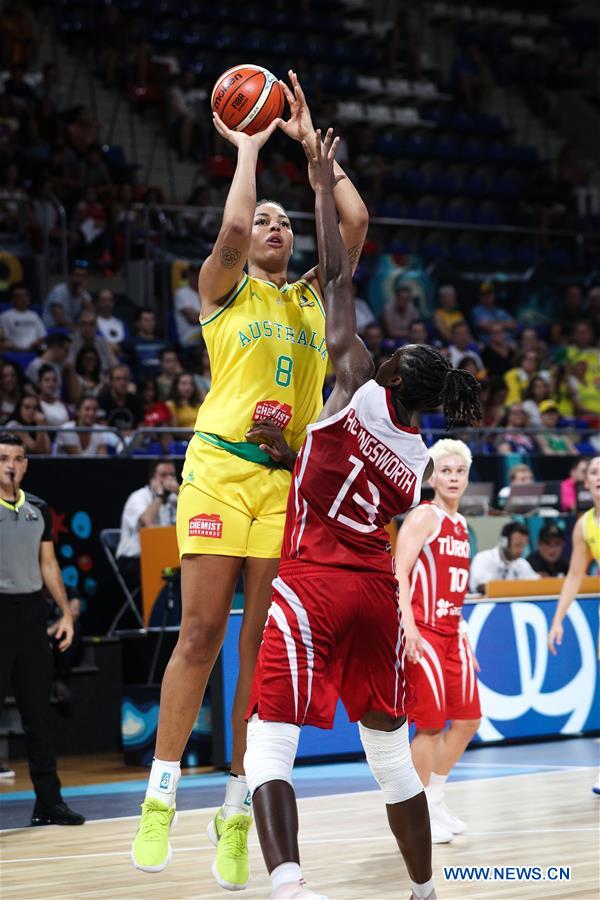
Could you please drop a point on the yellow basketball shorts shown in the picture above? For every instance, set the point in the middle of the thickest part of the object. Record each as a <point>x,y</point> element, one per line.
<point>229,506</point>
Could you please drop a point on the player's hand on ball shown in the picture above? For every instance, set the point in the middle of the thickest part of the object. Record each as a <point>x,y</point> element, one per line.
<point>237,138</point>
<point>413,643</point>
<point>321,160</point>
<point>555,637</point>
<point>299,126</point>
<point>270,439</point>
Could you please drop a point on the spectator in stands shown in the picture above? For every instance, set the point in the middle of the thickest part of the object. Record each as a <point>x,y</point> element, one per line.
<point>49,87</point>
<point>119,405</point>
<point>23,329</point>
<point>95,172</point>
<point>86,335</point>
<point>470,78</point>
<point>65,301</point>
<point>498,354</point>
<point>17,88</point>
<point>85,377</point>
<point>187,310</point>
<point>83,131</point>
<point>513,440</point>
<point>11,389</point>
<point>535,393</point>
<point>583,394</point>
<point>469,364</point>
<point>417,332</point>
<point>519,474</point>
<point>584,348</point>
<point>146,345</point>
<point>463,345</point>
<point>274,180</point>
<point>184,401</point>
<point>204,378</point>
<point>519,378</point>
<point>373,338</point>
<point>55,355</point>
<point>486,313</point>
<point>184,113</point>
<point>548,560</point>
<point>593,309</point>
<point>364,313</point>
<point>447,313</point>
<point>569,308</point>
<point>550,442</point>
<point>504,562</point>
<point>28,412</point>
<point>156,411</point>
<point>493,402</point>
<point>570,485</point>
<point>154,504</point>
<point>170,367</point>
<point>17,35</point>
<point>54,410</point>
<point>399,312</point>
<point>109,326</point>
<point>83,443</point>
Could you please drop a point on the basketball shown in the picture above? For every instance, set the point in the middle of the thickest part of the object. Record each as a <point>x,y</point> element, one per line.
<point>247,98</point>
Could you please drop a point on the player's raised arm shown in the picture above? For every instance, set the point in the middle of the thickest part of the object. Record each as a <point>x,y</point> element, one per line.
<point>353,214</point>
<point>350,359</point>
<point>222,270</point>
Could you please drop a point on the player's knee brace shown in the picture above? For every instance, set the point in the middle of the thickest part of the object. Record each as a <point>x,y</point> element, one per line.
<point>270,752</point>
<point>389,759</point>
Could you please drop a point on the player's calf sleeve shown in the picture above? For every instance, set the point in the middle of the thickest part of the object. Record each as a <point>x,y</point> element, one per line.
<point>389,759</point>
<point>270,752</point>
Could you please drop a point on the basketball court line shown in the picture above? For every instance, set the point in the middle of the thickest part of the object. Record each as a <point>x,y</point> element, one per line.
<point>346,795</point>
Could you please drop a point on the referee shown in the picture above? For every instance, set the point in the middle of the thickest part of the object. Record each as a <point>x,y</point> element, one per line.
<point>27,562</point>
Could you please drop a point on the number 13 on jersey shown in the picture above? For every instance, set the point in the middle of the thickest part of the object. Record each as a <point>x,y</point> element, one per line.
<point>370,506</point>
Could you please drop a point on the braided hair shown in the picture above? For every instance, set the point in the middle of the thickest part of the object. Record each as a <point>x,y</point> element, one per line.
<point>429,381</point>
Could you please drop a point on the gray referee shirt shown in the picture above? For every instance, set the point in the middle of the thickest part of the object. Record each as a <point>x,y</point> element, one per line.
<point>23,526</point>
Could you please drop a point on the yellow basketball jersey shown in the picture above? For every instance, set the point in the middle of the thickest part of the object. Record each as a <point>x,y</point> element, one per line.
<point>268,359</point>
<point>591,533</point>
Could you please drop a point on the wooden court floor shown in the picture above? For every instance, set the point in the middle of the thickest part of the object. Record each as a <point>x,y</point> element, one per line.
<point>546,819</point>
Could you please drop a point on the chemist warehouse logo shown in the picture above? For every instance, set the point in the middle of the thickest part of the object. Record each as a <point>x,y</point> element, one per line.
<point>207,526</point>
<point>521,630</point>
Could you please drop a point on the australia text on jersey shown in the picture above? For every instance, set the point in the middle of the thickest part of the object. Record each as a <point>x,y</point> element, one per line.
<point>281,332</point>
<point>381,456</point>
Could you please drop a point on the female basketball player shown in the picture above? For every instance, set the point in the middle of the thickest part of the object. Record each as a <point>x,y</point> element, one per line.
<point>334,628</point>
<point>586,549</point>
<point>266,341</point>
<point>432,568</point>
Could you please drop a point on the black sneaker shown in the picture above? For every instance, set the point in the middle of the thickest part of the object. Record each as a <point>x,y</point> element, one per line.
<point>59,814</point>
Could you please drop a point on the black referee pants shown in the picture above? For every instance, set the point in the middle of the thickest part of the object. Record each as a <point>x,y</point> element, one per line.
<point>26,665</point>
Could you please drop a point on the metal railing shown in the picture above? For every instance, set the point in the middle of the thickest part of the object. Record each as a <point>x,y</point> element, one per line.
<point>139,440</point>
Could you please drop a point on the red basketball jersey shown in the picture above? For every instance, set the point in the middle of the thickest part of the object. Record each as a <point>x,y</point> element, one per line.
<point>357,470</point>
<point>439,578</point>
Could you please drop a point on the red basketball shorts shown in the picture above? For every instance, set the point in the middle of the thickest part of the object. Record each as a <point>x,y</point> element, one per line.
<point>330,634</point>
<point>443,681</point>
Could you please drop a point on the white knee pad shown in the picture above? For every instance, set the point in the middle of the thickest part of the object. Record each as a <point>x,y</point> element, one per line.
<point>270,752</point>
<point>389,759</point>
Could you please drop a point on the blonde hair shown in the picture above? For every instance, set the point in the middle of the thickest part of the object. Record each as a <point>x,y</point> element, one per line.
<point>450,447</point>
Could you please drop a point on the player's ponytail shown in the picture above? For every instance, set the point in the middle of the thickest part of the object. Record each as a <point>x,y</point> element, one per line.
<point>429,381</point>
<point>460,398</point>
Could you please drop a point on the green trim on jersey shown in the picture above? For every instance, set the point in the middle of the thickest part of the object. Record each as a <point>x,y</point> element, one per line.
<point>242,449</point>
<point>314,293</point>
<point>227,302</point>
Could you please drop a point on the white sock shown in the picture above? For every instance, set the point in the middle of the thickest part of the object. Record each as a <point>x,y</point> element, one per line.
<point>163,781</point>
<point>238,799</point>
<point>435,788</point>
<point>422,891</point>
<point>286,873</point>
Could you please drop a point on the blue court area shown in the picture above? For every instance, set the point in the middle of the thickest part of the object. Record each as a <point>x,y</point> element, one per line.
<point>123,798</point>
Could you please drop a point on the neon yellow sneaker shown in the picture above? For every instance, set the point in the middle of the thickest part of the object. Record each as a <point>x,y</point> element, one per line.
<point>230,868</point>
<point>151,849</point>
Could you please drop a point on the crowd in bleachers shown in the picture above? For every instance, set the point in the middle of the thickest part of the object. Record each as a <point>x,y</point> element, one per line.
<point>419,143</point>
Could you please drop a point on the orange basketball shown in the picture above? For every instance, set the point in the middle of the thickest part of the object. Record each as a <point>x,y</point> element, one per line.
<point>247,98</point>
